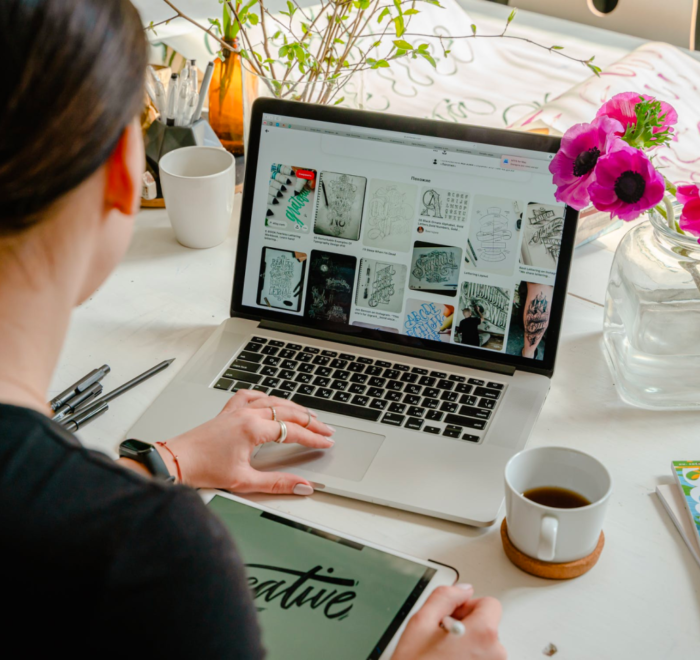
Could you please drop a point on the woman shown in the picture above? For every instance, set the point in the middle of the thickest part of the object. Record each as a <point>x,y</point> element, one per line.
<point>97,556</point>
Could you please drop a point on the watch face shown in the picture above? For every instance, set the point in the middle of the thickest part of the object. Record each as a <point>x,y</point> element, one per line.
<point>135,447</point>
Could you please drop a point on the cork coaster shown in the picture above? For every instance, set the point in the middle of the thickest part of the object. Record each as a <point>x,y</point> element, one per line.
<point>543,569</point>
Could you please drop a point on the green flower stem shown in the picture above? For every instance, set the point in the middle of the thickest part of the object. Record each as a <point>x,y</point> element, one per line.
<point>670,214</point>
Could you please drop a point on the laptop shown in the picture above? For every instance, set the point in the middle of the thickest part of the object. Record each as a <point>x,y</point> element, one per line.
<point>404,278</point>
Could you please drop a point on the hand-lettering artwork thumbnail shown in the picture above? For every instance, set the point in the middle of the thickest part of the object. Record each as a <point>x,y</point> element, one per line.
<point>290,198</point>
<point>391,209</point>
<point>339,205</point>
<point>281,279</point>
<point>428,320</point>
<point>381,285</point>
<point>544,224</point>
<point>331,281</point>
<point>435,268</point>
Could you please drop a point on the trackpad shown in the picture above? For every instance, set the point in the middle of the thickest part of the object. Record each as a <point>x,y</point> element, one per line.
<point>349,458</point>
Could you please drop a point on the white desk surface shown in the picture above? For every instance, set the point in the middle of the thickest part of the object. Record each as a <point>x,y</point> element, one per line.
<point>641,601</point>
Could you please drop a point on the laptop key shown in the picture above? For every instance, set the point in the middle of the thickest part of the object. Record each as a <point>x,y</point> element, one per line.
<point>271,361</point>
<point>240,385</point>
<point>432,429</point>
<point>390,373</point>
<point>289,364</point>
<point>383,363</point>
<point>341,374</point>
<point>252,346</point>
<point>475,381</point>
<point>303,378</point>
<point>338,364</point>
<point>479,413</point>
<point>237,374</point>
<point>261,388</point>
<point>414,411</point>
<point>397,407</point>
<point>431,392</point>
<point>286,374</point>
<point>223,384</point>
<point>342,396</point>
<point>365,360</point>
<point>271,382</point>
<point>452,433</point>
<point>401,367</point>
<point>270,350</point>
<point>389,395</point>
<point>306,389</point>
<point>470,437</point>
<point>328,405</point>
<point>393,419</point>
<point>358,378</point>
<point>412,389</point>
<point>287,353</point>
<point>449,396</point>
<point>434,415</point>
<point>444,384</point>
<point>259,340</point>
<point>275,342</point>
<point>419,371</point>
<point>306,368</point>
<point>463,388</point>
<point>360,400</point>
<point>438,374</point>
<point>304,357</point>
<point>467,400</point>
<point>376,382</point>
<point>321,360</point>
<point>330,354</point>
<point>294,347</point>
<point>430,403</point>
<point>356,367</point>
<point>485,403</point>
<point>408,377</point>
<point>311,349</point>
<point>280,394</point>
<point>467,422</point>
<point>411,399</point>
<point>427,381</point>
<point>250,357</point>
<point>324,393</point>
<point>373,371</point>
<point>413,423</point>
<point>448,406</point>
<point>268,371</point>
<point>356,388</point>
<point>495,386</point>
<point>346,356</point>
<point>320,381</point>
<point>246,366</point>
<point>324,371</point>
<point>376,392</point>
<point>456,378</point>
<point>378,404</point>
<point>339,385</point>
<point>394,385</point>
<point>487,393</point>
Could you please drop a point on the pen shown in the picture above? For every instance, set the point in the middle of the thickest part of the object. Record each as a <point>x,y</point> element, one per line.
<point>74,404</point>
<point>121,389</point>
<point>323,185</point>
<point>450,625</point>
<point>203,91</point>
<point>159,90</point>
<point>78,387</point>
<point>84,417</point>
<point>172,100</point>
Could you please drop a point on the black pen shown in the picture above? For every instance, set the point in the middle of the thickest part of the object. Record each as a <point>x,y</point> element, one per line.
<point>121,389</point>
<point>84,417</point>
<point>76,388</point>
<point>323,185</point>
<point>75,403</point>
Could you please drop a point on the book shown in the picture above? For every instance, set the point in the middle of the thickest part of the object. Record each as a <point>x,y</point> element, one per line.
<point>687,475</point>
<point>672,499</point>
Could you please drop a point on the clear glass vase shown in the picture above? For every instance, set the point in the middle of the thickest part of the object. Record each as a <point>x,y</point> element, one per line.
<point>652,318</point>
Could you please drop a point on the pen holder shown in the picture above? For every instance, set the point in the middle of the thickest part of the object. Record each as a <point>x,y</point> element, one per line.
<point>161,139</point>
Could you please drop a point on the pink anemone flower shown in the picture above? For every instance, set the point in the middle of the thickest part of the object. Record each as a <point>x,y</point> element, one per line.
<point>573,168</point>
<point>626,182</point>
<point>621,107</point>
<point>689,221</point>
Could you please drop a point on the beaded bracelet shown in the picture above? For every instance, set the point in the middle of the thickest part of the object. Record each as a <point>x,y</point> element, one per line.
<point>177,462</point>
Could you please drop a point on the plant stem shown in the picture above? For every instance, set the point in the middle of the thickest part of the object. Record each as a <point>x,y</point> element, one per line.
<point>199,25</point>
<point>670,214</point>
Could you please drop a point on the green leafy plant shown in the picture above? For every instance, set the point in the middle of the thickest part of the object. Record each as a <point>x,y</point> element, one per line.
<point>310,56</point>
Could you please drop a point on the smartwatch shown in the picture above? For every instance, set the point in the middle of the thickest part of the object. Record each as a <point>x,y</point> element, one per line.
<point>148,456</point>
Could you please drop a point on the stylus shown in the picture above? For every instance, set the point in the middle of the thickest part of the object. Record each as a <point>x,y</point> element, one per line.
<point>83,384</point>
<point>203,90</point>
<point>450,625</point>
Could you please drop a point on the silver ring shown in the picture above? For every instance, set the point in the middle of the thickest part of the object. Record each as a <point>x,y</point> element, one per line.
<point>274,414</point>
<point>283,432</point>
<point>306,426</point>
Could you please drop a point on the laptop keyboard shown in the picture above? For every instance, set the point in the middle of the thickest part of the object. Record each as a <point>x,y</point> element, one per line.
<point>433,402</point>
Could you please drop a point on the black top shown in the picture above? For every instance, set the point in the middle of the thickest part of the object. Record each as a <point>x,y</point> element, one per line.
<point>101,562</point>
<point>469,329</point>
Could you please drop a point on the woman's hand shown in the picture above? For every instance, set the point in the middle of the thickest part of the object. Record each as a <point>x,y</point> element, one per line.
<point>424,639</point>
<point>217,454</point>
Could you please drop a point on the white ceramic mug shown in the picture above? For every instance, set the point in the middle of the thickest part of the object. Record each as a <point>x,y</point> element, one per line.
<point>198,186</point>
<point>552,534</point>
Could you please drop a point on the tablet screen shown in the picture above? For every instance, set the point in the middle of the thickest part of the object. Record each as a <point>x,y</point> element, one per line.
<point>320,596</point>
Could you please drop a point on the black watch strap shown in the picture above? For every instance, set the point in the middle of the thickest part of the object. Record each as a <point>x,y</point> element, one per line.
<point>148,456</point>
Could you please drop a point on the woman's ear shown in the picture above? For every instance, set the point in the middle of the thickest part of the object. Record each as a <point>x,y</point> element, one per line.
<point>124,172</point>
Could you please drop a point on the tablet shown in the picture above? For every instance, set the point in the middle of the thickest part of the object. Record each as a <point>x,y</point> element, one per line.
<point>322,594</point>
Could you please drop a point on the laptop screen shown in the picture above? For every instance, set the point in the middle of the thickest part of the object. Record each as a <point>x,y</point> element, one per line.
<point>407,237</point>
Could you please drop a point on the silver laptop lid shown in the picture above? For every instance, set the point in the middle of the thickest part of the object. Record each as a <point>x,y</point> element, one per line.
<point>408,235</point>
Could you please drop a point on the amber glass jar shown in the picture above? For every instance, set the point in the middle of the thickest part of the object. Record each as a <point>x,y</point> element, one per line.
<point>226,100</point>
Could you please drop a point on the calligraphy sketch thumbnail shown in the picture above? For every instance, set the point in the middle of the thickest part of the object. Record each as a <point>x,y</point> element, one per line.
<point>331,281</point>
<point>281,279</point>
<point>428,320</point>
<point>441,204</point>
<point>435,268</point>
<point>494,232</point>
<point>391,209</point>
<point>483,316</point>
<point>339,205</point>
<point>381,285</point>
<point>544,224</point>
<point>290,198</point>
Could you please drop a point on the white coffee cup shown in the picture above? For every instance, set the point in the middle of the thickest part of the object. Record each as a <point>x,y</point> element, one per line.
<point>553,534</point>
<point>199,184</point>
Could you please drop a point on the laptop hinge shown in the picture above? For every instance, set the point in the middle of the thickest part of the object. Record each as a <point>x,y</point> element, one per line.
<point>388,348</point>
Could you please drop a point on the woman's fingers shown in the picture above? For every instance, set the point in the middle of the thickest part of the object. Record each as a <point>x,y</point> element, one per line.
<point>270,432</point>
<point>297,415</point>
<point>276,483</point>
<point>274,401</point>
<point>241,399</point>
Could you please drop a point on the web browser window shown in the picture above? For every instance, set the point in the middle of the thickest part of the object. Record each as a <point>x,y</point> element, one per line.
<point>444,240</point>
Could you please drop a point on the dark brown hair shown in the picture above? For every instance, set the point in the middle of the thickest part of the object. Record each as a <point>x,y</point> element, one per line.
<point>73,74</point>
